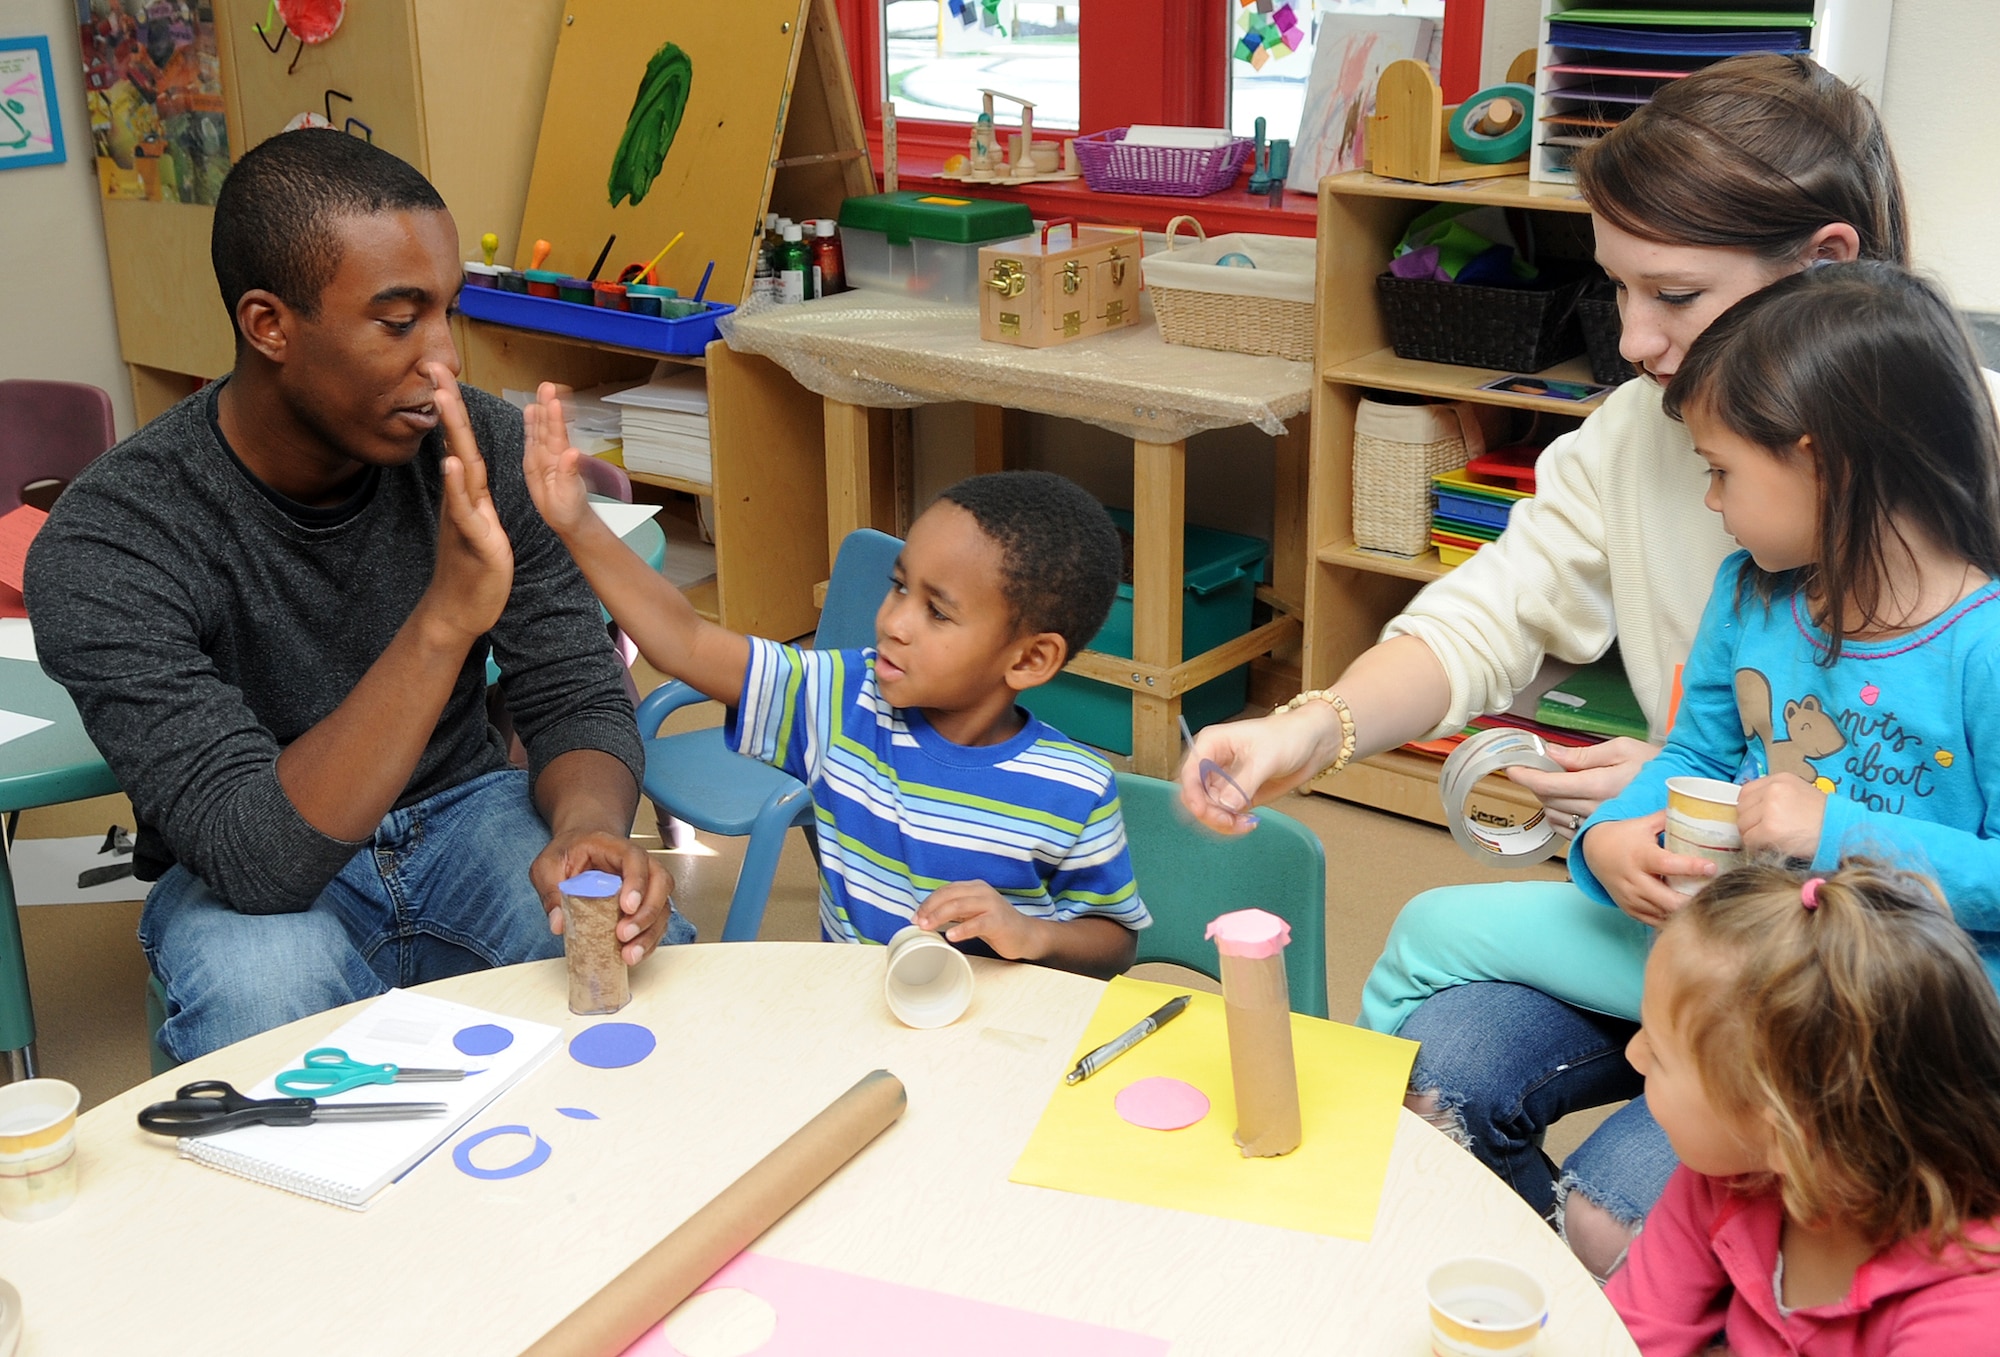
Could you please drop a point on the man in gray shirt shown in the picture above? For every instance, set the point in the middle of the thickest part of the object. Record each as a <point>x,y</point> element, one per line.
<point>273,606</point>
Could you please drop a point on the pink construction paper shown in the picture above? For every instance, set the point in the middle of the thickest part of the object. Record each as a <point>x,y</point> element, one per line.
<point>824,1313</point>
<point>1252,933</point>
<point>1161,1104</point>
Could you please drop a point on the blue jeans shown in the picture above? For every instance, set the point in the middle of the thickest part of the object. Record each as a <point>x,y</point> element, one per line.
<point>1507,1061</point>
<point>441,889</point>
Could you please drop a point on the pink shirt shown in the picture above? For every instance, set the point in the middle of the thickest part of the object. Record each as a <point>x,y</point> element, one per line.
<point>1701,1272</point>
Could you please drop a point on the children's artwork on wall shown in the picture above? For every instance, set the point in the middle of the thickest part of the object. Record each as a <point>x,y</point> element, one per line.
<point>153,85</point>
<point>650,126</point>
<point>1349,53</point>
<point>30,122</point>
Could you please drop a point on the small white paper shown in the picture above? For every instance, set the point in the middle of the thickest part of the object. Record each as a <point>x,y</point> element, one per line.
<point>17,639</point>
<point>14,724</point>
<point>45,872</point>
<point>623,518</point>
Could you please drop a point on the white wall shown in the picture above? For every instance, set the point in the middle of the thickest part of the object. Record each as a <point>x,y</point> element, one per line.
<point>1944,57</point>
<point>53,274</point>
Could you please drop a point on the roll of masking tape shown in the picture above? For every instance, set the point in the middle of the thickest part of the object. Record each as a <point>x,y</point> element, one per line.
<point>1494,124</point>
<point>1490,751</point>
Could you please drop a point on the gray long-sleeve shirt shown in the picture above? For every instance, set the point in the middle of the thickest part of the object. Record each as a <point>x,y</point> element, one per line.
<point>202,625</point>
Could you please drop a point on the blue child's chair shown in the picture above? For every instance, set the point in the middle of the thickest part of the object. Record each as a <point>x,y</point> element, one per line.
<point>1188,875</point>
<point>696,777</point>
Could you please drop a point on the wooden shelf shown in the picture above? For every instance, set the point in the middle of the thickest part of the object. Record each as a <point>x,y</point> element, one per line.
<point>1405,782</point>
<point>1383,369</point>
<point>705,597</point>
<point>680,483</point>
<point>1423,569</point>
<point>1511,191</point>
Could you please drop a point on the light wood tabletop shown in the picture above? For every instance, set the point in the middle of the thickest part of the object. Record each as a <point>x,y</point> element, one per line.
<point>161,1255</point>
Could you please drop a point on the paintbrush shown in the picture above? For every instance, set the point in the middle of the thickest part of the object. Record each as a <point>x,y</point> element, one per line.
<point>602,255</point>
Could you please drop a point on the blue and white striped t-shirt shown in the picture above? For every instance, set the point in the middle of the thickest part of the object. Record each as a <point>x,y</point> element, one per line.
<point>902,811</point>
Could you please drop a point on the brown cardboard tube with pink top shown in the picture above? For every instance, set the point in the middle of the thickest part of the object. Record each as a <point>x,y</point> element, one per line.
<point>1259,1009</point>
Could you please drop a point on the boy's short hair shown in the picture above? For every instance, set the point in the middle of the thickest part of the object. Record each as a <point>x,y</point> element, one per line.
<point>274,218</point>
<point>1060,555</point>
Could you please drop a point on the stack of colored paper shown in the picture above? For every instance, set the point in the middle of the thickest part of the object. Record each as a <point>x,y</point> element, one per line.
<point>1468,515</point>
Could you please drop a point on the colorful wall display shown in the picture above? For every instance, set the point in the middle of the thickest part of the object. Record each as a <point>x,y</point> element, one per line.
<point>153,85</point>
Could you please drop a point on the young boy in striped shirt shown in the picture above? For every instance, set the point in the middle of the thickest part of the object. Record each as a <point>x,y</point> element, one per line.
<point>939,801</point>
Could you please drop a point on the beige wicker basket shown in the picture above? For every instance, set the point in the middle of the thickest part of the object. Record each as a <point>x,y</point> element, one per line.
<point>1397,449</point>
<point>1265,310</point>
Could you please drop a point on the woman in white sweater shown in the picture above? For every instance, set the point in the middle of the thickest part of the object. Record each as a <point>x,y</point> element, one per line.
<point>1740,174</point>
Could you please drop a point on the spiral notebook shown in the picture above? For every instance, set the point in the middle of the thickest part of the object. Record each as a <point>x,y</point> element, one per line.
<point>350,1163</point>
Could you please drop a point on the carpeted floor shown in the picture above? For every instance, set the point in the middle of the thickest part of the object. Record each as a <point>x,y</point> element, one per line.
<point>88,974</point>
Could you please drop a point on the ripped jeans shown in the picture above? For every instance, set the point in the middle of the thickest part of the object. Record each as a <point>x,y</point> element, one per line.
<point>1524,995</point>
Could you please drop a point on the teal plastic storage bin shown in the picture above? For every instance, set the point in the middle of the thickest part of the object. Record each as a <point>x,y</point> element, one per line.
<point>1222,570</point>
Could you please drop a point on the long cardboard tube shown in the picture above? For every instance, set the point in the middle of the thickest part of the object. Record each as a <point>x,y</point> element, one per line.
<point>672,1270</point>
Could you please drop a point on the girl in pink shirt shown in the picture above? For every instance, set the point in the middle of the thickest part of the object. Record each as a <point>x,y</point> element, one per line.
<point>1824,1055</point>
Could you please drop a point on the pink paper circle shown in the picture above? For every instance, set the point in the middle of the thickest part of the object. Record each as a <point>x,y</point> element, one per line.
<point>1161,1104</point>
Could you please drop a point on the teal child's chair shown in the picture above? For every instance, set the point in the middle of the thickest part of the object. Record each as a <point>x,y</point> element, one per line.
<point>1188,875</point>
<point>696,777</point>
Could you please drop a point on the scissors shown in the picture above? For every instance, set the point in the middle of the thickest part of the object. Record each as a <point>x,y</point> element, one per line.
<point>328,1071</point>
<point>204,1108</point>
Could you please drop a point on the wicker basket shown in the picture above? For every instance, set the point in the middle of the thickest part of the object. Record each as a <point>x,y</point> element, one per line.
<point>1265,310</point>
<point>1110,165</point>
<point>1397,449</point>
<point>1597,312</point>
<point>1521,329</point>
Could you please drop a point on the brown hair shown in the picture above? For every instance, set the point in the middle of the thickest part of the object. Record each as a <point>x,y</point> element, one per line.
<point>1872,365</point>
<point>1864,1032</point>
<point>1773,149</point>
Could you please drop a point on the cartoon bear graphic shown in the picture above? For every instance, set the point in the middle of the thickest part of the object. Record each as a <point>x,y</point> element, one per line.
<point>1812,733</point>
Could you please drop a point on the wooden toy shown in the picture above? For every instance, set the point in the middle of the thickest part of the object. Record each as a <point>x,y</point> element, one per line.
<point>1035,294</point>
<point>1409,135</point>
<point>1018,159</point>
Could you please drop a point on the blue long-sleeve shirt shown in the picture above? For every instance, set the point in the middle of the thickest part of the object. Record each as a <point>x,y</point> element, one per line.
<point>1903,735</point>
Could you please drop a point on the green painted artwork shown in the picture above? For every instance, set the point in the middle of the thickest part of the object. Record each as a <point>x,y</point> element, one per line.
<point>650,127</point>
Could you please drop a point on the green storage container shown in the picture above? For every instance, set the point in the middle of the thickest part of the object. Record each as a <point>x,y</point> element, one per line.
<point>1222,571</point>
<point>924,246</point>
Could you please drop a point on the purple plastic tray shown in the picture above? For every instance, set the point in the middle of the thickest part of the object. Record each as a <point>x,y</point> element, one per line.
<point>651,334</point>
<point>1110,166</point>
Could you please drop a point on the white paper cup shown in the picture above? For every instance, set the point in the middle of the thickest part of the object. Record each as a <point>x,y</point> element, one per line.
<point>928,982</point>
<point>1701,823</point>
<point>37,1148</point>
<point>1483,1307</point>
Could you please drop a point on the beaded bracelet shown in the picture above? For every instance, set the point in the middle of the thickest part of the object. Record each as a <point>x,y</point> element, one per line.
<point>1339,705</point>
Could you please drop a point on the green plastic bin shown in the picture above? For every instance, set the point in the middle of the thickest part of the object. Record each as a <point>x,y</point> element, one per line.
<point>924,245</point>
<point>1221,574</point>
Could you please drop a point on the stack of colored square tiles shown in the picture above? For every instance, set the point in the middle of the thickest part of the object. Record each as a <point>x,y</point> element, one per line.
<point>1468,514</point>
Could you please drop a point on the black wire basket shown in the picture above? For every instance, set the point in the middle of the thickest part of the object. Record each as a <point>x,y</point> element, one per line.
<point>1518,329</point>
<point>1597,312</point>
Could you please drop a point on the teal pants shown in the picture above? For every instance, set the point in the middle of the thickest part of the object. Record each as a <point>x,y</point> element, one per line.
<point>1546,934</point>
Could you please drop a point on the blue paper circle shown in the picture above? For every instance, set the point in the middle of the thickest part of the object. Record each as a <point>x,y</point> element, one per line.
<point>1235,259</point>
<point>484,1039</point>
<point>592,885</point>
<point>612,1045</point>
<point>577,1113</point>
<point>534,1159</point>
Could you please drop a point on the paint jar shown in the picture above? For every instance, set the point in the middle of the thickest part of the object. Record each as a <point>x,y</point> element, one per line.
<point>575,290</point>
<point>542,282</point>
<point>481,275</point>
<point>928,982</point>
<point>598,980</point>
<point>610,296</point>
<point>37,1148</point>
<point>511,280</point>
<point>1483,1307</point>
<point>646,299</point>
<point>1701,823</point>
<point>1258,1006</point>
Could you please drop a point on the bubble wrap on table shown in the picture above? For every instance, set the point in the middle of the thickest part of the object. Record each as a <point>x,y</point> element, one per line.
<point>874,349</point>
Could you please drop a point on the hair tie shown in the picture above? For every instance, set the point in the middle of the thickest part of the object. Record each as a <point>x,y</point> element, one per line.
<point>1809,893</point>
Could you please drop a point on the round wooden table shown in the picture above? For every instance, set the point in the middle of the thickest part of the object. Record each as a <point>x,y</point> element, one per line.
<point>161,1255</point>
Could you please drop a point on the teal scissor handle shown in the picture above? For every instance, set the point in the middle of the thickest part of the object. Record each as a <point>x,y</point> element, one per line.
<point>328,1071</point>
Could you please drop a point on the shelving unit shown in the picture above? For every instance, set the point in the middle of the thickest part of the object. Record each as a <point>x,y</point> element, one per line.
<point>1351,592</point>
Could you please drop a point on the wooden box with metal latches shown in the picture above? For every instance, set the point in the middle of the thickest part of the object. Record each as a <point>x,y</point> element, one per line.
<point>1036,294</point>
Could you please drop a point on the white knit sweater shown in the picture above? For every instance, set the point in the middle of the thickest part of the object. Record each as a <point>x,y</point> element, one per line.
<point>1615,545</point>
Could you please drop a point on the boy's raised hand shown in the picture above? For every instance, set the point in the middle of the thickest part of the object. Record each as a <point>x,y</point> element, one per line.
<point>553,468</point>
<point>475,561</point>
<point>1631,865</point>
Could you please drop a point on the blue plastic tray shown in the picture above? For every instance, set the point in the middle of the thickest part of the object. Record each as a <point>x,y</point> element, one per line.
<point>1467,509</point>
<point>653,334</point>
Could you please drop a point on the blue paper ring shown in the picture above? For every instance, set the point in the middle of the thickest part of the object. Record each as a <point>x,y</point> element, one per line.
<point>534,1159</point>
<point>1509,145</point>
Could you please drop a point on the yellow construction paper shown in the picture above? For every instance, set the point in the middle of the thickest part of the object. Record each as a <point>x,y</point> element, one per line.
<point>1351,1086</point>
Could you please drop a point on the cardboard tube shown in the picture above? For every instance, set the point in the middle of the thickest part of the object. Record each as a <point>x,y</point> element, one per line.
<point>1258,1007</point>
<point>673,1269</point>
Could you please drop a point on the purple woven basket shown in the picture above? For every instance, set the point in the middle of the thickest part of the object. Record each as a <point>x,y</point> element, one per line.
<point>1111,166</point>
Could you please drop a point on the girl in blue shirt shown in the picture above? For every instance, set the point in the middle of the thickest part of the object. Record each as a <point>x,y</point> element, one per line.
<point>1847,670</point>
